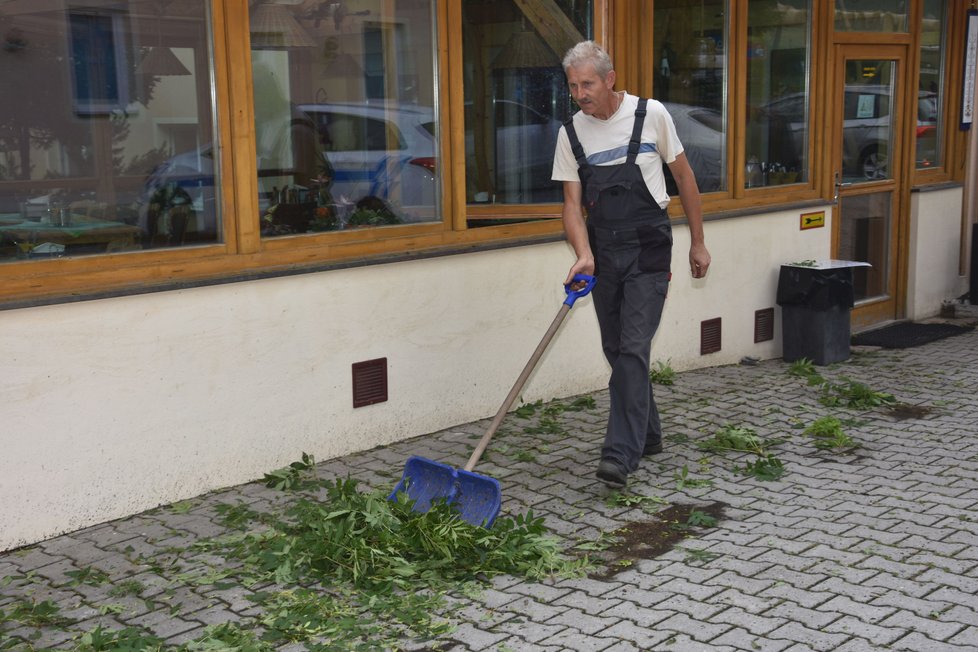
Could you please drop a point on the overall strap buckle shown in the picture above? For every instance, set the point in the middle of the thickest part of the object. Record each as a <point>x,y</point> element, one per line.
<point>635,143</point>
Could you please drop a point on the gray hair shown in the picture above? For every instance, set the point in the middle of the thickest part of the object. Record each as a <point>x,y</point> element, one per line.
<point>589,52</point>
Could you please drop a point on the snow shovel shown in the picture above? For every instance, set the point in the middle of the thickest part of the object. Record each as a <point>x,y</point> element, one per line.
<point>477,497</point>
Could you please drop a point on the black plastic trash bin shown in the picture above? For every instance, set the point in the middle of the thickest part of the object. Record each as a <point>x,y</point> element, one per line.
<point>816,300</point>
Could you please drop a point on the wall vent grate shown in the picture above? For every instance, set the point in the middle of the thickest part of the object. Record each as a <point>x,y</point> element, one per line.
<point>369,382</point>
<point>710,336</point>
<point>763,325</point>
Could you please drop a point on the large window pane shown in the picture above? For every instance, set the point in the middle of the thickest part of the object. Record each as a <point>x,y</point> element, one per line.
<point>931,87</point>
<point>871,15</point>
<point>516,96</point>
<point>777,92</point>
<point>345,118</point>
<point>690,79</point>
<point>868,120</point>
<point>106,129</point>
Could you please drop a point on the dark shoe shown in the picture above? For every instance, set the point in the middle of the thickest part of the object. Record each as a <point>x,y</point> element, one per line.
<point>612,474</point>
<point>652,448</point>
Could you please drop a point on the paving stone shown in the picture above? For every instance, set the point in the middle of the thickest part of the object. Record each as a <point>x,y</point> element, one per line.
<point>536,632</point>
<point>163,625</point>
<point>592,587</point>
<point>858,591</point>
<point>844,605</point>
<point>949,595</point>
<point>646,617</point>
<point>753,623</point>
<point>588,604</point>
<point>187,636</point>
<point>541,592</point>
<point>491,598</point>
<point>750,603</point>
<point>741,583</point>
<point>56,573</point>
<point>40,639</point>
<point>791,612</point>
<point>581,622</point>
<point>917,642</point>
<point>875,634</point>
<point>487,619</point>
<point>955,566</point>
<point>32,558</point>
<point>859,645</point>
<point>216,615</point>
<point>623,646</point>
<point>931,628</point>
<point>702,631</point>
<point>570,640</point>
<point>642,638</point>
<point>967,637</point>
<point>690,589</point>
<point>78,550</point>
<point>741,639</point>
<point>813,639</point>
<point>533,611</point>
<point>960,582</point>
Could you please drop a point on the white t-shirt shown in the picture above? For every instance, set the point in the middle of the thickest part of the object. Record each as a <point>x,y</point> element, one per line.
<point>605,142</point>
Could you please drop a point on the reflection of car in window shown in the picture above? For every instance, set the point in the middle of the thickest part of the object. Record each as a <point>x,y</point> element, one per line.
<point>515,165</point>
<point>866,127</point>
<point>386,152</point>
<point>700,130</point>
<point>368,151</point>
<point>525,143</point>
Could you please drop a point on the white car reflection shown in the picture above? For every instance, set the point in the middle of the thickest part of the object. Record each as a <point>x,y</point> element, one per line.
<point>700,130</point>
<point>866,128</point>
<point>379,151</point>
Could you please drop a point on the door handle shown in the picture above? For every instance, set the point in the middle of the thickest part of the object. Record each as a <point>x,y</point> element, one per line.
<point>839,184</point>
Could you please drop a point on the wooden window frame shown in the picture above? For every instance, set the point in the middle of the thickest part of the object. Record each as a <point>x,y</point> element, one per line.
<point>622,25</point>
<point>243,252</point>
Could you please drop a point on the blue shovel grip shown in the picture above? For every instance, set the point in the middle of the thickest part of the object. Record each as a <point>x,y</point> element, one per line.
<point>574,295</point>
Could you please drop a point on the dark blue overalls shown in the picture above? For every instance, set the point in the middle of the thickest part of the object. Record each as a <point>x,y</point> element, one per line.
<point>631,239</point>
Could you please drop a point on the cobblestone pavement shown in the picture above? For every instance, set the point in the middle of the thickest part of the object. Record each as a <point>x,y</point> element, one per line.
<point>853,548</point>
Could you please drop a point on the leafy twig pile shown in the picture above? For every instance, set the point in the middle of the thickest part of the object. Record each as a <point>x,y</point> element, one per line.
<point>846,393</point>
<point>352,571</point>
<point>737,438</point>
<point>381,567</point>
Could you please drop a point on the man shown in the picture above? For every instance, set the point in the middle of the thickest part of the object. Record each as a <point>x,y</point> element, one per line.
<point>609,157</point>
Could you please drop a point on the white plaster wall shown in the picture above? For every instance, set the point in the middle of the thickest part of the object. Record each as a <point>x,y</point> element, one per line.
<point>114,406</point>
<point>747,257</point>
<point>935,252</point>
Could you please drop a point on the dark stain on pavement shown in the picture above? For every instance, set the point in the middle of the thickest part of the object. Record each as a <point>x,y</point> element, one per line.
<point>652,538</point>
<point>904,411</point>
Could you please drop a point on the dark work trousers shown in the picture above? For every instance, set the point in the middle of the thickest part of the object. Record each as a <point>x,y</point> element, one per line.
<point>631,239</point>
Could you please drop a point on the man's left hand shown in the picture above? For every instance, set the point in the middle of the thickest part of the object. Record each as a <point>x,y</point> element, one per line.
<point>699,260</point>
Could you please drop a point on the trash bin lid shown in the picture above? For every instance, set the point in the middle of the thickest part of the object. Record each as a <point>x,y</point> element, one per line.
<point>818,285</point>
<point>828,264</point>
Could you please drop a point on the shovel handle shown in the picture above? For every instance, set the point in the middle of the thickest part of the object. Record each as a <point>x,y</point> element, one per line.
<point>572,295</point>
<point>575,294</point>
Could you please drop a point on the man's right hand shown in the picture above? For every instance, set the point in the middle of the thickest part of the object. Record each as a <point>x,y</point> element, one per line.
<point>582,266</point>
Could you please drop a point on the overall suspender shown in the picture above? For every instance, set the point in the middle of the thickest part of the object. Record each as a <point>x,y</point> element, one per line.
<point>634,144</point>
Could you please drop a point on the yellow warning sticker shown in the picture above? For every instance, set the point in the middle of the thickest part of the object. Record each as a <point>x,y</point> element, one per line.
<point>814,220</point>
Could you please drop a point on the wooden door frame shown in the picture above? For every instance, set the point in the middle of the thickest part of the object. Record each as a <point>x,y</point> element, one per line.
<point>876,311</point>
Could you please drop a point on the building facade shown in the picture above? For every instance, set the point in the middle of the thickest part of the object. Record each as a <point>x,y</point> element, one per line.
<point>232,232</point>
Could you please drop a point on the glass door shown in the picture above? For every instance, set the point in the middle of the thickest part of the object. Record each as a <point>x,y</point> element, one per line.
<point>869,156</point>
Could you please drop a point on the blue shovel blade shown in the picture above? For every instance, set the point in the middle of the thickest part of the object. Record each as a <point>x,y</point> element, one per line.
<point>478,498</point>
<point>426,481</point>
